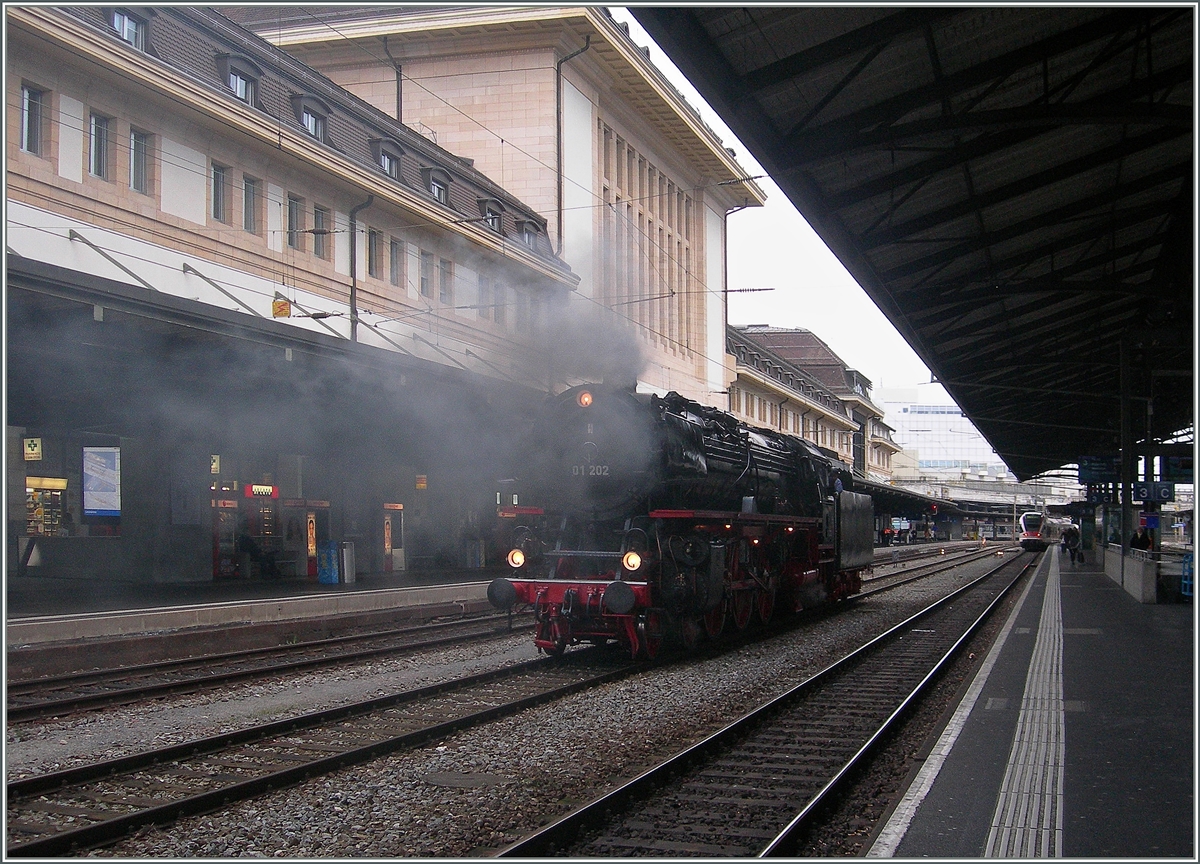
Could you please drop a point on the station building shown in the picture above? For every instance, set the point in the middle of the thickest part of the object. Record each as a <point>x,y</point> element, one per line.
<point>563,109</point>
<point>871,445</point>
<point>248,313</point>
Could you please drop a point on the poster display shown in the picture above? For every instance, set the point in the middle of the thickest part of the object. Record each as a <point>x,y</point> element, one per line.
<point>101,481</point>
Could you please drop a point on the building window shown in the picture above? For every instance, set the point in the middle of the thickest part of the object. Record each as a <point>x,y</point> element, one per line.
<point>295,222</point>
<point>492,212</point>
<point>437,181</point>
<point>390,164</point>
<point>500,303</point>
<point>139,161</point>
<point>130,28</point>
<point>313,115</point>
<point>396,268</point>
<point>242,86</point>
<point>220,193</point>
<point>427,274</point>
<point>313,123</point>
<point>446,282</point>
<point>484,297</point>
<point>373,252</point>
<point>529,233</point>
<point>98,146</point>
<point>32,114</point>
<point>320,232</point>
<point>250,197</point>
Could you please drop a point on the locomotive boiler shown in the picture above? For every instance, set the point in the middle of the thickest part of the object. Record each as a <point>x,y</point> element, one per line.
<point>658,515</point>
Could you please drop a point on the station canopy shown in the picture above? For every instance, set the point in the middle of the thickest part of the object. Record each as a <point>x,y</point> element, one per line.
<point>1012,186</point>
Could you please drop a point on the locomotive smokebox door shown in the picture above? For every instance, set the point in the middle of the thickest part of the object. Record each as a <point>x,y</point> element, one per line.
<point>855,531</point>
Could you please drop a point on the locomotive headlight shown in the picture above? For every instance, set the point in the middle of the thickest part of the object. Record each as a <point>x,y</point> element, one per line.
<point>516,559</point>
<point>584,399</point>
<point>631,561</point>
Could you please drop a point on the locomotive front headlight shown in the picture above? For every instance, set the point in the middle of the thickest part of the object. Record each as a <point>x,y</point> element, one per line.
<point>516,559</point>
<point>584,399</point>
<point>631,561</point>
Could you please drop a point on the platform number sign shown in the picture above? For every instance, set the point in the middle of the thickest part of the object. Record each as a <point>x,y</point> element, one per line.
<point>33,449</point>
<point>1160,492</point>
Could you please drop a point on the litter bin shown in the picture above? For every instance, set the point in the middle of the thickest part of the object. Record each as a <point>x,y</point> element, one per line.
<point>346,561</point>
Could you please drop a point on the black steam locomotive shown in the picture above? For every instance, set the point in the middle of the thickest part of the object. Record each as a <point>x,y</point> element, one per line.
<point>658,514</point>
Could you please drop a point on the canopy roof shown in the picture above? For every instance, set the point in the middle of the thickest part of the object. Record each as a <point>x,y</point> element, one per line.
<point>1012,186</point>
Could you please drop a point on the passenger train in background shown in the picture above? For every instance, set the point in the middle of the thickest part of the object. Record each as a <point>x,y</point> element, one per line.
<point>651,516</point>
<point>1038,530</point>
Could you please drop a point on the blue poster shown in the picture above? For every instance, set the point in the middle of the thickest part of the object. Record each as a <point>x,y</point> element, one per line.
<point>101,481</point>
<point>327,562</point>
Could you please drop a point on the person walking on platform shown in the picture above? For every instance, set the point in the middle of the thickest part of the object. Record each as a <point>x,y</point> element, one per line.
<point>1070,542</point>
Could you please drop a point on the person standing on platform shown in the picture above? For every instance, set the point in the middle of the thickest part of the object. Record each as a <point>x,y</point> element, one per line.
<point>1142,540</point>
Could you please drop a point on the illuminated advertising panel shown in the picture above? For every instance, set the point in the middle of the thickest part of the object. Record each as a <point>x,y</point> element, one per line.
<point>101,481</point>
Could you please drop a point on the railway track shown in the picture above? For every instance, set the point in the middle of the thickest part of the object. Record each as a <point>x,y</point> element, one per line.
<point>755,787</point>
<point>65,694</point>
<point>75,809</point>
<point>65,812</point>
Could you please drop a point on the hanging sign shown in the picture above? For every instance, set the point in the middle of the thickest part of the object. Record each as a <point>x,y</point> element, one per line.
<point>33,449</point>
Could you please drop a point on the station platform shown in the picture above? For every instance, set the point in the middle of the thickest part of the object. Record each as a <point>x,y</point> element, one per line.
<point>1076,738</point>
<point>46,611</point>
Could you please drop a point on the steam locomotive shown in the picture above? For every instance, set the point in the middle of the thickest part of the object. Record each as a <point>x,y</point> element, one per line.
<point>658,515</point>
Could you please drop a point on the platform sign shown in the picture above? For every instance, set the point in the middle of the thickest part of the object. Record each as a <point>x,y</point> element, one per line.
<point>1099,469</point>
<point>1156,492</point>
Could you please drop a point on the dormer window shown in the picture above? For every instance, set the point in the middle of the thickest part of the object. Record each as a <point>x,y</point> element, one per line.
<point>529,233</point>
<point>313,123</point>
<point>130,28</point>
<point>241,76</point>
<point>492,212</point>
<point>437,181</point>
<point>313,115</point>
<point>386,153</point>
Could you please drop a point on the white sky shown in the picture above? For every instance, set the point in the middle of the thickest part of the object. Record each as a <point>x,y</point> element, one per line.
<point>774,247</point>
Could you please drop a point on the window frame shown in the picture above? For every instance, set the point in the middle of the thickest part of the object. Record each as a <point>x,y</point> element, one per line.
<point>218,187</point>
<point>141,155</point>
<point>426,275</point>
<point>33,119</point>
<point>99,149</point>
<point>231,65</point>
<point>529,231</point>
<point>396,256</point>
<point>445,281</point>
<point>387,151</point>
<point>374,238</point>
<point>251,220</point>
<point>437,180</point>
<point>303,106</point>
<point>321,231</point>
<point>295,223</point>
<point>491,211</point>
<point>140,24</point>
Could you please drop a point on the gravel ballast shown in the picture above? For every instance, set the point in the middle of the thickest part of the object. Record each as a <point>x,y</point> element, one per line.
<point>481,789</point>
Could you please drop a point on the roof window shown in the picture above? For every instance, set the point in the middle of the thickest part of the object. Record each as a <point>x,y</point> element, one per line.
<point>241,76</point>
<point>313,115</point>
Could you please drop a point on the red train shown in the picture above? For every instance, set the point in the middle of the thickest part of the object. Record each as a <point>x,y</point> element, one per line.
<point>658,516</point>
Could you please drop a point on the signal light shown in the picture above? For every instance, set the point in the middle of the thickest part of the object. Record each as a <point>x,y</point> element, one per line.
<point>516,559</point>
<point>584,399</point>
<point>631,561</point>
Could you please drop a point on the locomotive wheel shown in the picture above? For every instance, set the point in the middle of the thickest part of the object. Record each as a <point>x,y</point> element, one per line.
<point>743,605</point>
<point>714,621</point>
<point>690,630</point>
<point>765,600</point>
<point>650,634</point>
